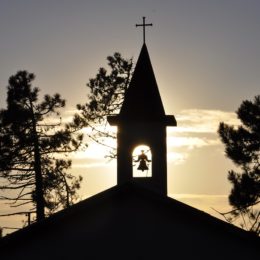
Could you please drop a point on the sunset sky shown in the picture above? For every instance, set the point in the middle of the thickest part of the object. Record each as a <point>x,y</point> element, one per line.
<point>206,59</point>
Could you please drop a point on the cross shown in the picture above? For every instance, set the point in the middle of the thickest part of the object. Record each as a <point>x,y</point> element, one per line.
<point>143,25</point>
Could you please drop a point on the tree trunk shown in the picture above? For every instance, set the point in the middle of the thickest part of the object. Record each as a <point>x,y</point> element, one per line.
<point>38,171</point>
<point>38,181</point>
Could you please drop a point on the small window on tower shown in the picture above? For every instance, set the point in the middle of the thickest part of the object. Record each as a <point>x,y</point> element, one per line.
<point>142,161</point>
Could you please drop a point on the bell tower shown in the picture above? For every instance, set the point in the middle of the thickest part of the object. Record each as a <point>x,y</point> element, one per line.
<point>142,121</point>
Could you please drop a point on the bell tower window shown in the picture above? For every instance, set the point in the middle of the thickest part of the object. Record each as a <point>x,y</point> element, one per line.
<point>142,161</point>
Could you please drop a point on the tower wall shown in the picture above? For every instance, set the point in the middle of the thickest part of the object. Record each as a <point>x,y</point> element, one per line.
<point>153,135</point>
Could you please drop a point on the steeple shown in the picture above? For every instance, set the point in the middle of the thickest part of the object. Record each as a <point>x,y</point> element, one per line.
<point>142,121</point>
<point>142,98</point>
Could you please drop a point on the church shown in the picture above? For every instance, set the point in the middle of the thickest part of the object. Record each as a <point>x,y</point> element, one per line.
<point>134,219</point>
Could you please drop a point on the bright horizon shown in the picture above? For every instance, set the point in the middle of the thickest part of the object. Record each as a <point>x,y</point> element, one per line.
<point>205,56</point>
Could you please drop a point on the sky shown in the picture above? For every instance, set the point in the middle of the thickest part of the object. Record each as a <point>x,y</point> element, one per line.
<point>206,59</point>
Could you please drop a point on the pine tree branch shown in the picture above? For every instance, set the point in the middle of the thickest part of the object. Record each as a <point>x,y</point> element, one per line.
<point>17,213</point>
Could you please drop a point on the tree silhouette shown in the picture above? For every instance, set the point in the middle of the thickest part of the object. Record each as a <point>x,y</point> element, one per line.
<point>242,146</point>
<point>106,95</point>
<point>31,137</point>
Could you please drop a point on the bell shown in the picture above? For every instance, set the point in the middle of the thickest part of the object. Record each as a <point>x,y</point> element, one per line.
<point>142,165</point>
<point>142,159</point>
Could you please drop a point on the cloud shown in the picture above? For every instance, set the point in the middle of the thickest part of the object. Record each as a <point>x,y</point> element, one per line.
<point>191,141</point>
<point>87,165</point>
<point>202,120</point>
<point>176,158</point>
<point>96,164</point>
<point>183,196</point>
<point>196,129</point>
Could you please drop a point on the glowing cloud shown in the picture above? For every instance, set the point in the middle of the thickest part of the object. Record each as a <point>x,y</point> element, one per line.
<point>196,129</point>
<point>203,121</point>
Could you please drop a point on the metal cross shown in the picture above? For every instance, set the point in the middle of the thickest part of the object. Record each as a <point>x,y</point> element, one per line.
<point>143,25</point>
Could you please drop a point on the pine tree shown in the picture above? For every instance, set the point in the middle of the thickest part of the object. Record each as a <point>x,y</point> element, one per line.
<point>31,137</point>
<point>242,146</point>
<point>106,95</point>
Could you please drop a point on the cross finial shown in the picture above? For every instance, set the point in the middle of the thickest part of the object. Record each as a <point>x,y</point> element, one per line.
<point>143,25</point>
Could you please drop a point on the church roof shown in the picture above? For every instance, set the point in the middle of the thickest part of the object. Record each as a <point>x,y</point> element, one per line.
<point>142,100</point>
<point>129,222</point>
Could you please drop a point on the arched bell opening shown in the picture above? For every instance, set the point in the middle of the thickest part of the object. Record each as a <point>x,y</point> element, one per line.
<point>142,161</point>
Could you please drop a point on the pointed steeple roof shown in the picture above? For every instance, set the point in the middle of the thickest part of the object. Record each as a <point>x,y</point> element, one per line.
<point>142,99</point>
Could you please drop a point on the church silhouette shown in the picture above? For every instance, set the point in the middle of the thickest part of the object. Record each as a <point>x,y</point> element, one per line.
<point>134,219</point>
